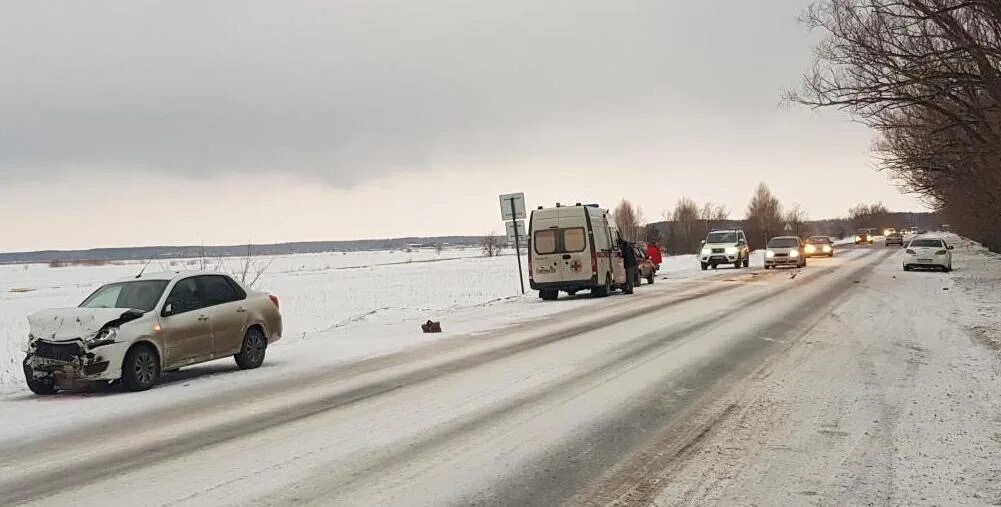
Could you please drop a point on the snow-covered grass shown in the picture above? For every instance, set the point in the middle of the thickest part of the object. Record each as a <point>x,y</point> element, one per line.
<point>977,272</point>
<point>356,302</point>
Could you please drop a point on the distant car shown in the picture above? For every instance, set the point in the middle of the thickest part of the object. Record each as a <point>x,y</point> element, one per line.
<point>785,251</point>
<point>928,253</point>
<point>863,236</point>
<point>646,268</point>
<point>134,329</point>
<point>895,238</point>
<point>819,246</point>
<point>725,247</point>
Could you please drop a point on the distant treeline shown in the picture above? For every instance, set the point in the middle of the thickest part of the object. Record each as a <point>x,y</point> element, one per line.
<point>183,252</point>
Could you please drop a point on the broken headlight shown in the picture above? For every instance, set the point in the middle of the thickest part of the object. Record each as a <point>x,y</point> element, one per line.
<point>106,336</point>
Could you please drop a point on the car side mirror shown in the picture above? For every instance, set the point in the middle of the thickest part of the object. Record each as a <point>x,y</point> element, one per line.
<point>950,247</point>
<point>168,310</point>
<point>703,242</point>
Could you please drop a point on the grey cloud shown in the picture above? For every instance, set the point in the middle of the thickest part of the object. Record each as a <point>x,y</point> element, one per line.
<point>348,90</point>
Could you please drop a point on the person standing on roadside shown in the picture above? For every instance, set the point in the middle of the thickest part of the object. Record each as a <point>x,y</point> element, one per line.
<point>653,252</point>
<point>629,261</point>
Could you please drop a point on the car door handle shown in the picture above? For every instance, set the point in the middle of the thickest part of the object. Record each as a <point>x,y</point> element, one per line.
<point>203,317</point>
<point>241,310</point>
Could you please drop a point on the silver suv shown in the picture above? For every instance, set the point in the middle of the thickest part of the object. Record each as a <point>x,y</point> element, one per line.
<point>725,247</point>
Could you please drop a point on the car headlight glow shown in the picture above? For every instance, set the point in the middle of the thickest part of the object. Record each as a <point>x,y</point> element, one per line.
<point>857,238</point>
<point>794,253</point>
<point>731,250</point>
<point>827,248</point>
<point>769,254</point>
<point>706,251</point>
<point>810,249</point>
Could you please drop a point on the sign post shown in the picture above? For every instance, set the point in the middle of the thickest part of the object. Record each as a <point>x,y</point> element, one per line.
<point>513,213</point>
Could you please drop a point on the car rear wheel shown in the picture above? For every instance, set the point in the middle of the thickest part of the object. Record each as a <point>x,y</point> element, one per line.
<point>600,292</point>
<point>650,279</point>
<point>141,368</point>
<point>549,294</point>
<point>255,346</point>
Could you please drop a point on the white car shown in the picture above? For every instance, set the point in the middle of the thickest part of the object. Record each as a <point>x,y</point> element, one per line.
<point>928,252</point>
<point>785,251</point>
<point>133,329</point>
<point>725,247</point>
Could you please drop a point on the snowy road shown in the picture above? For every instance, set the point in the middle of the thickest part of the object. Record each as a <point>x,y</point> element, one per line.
<point>848,382</point>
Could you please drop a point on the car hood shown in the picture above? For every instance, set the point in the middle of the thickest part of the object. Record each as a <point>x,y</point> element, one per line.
<point>782,249</point>
<point>64,324</point>
<point>719,245</point>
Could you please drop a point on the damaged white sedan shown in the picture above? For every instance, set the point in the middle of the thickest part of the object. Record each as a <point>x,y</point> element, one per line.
<point>132,330</point>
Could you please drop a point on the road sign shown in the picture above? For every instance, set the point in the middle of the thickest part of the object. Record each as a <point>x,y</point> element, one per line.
<point>513,214</point>
<point>788,228</point>
<point>522,238</point>
<point>512,206</point>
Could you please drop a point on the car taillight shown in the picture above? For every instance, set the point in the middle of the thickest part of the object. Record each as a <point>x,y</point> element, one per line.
<point>594,264</point>
<point>274,299</point>
<point>530,271</point>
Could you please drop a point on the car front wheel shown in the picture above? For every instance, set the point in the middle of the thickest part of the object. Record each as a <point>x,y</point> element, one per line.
<point>251,355</point>
<point>141,368</point>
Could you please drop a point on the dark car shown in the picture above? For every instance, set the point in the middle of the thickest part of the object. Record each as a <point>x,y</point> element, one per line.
<point>863,236</point>
<point>819,246</point>
<point>645,268</point>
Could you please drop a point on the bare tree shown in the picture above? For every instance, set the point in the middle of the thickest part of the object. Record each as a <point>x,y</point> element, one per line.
<point>796,216</point>
<point>629,221</point>
<point>868,215</point>
<point>686,224</point>
<point>250,269</point>
<point>712,213</point>
<point>926,75</point>
<point>491,245</point>
<point>764,217</point>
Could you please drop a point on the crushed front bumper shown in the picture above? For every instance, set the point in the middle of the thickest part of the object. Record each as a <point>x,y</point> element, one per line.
<point>70,365</point>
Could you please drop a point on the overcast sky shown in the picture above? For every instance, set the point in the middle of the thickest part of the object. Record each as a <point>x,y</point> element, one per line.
<point>179,122</point>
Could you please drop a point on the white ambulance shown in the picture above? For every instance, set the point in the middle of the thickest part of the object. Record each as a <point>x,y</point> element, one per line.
<point>574,248</point>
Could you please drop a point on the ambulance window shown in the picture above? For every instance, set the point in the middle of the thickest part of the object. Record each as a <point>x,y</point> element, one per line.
<point>574,240</point>
<point>545,241</point>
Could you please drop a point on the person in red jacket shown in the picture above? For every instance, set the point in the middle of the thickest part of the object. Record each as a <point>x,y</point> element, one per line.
<point>653,252</point>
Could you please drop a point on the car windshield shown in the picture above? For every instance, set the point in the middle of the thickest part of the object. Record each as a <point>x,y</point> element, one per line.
<point>927,243</point>
<point>818,239</point>
<point>783,243</point>
<point>138,295</point>
<point>722,237</point>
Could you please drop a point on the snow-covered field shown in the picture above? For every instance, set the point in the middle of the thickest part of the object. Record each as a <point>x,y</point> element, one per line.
<point>849,382</point>
<point>347,304</point>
